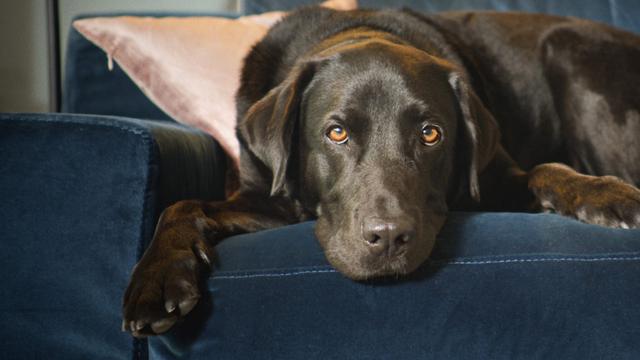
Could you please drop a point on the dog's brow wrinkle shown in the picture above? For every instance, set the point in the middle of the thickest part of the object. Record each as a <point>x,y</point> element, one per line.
<point>382,78</point>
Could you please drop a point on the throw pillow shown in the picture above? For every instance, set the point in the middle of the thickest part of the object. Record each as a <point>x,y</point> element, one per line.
<point>189,67</point>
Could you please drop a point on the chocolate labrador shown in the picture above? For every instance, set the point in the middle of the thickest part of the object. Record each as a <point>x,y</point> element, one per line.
<point>377,123</point>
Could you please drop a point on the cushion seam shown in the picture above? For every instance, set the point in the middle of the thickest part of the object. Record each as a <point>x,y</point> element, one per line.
<point>327,269</point>
<point>533,260</point>
<point>273,274</point>
<point>96,120</point>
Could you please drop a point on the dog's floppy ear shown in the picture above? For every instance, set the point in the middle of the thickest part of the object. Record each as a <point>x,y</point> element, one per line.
<point>268,126</point>
<point>480,129</point>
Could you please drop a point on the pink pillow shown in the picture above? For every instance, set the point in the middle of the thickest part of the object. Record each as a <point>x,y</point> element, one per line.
<point>189,67</point>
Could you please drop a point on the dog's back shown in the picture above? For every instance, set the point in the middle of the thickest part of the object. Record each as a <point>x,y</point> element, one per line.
<point>516,65</point>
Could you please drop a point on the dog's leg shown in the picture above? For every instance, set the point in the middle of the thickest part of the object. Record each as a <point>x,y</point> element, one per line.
<point>592,75</point>
<point>504,186</point>
<point>601,200</point>
<point>165,284</point>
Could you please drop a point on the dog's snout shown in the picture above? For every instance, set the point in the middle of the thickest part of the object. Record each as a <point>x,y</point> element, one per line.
<point>387,236</point>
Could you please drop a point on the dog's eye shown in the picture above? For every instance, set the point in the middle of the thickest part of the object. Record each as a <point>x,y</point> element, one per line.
<point>431,135</point>
<point>337,134</point>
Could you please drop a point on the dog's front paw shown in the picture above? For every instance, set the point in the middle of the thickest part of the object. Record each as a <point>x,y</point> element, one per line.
<point>164,287</point>
<point>609,201</point>
<point>604,200</point>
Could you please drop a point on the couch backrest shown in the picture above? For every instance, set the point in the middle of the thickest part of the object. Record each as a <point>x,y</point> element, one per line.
<point>621,13</point>
<point>89,87</point>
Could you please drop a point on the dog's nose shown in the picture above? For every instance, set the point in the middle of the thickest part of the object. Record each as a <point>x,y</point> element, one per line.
<point>387,236</point>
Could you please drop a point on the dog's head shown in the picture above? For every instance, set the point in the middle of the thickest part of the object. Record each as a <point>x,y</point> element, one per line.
<point>374,136</point>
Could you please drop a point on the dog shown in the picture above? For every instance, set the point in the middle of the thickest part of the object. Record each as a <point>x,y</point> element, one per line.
<point>377,123</point>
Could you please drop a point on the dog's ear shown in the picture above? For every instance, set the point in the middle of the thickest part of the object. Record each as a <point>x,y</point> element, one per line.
<point>269,125</point>
<point>481,132</point>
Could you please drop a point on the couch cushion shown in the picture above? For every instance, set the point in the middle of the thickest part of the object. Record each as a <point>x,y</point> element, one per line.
<point>498,286</point>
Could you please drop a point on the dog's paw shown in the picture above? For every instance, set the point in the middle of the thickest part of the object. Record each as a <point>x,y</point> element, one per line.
<point>601,200</point>
<point>608,201</point>
<point>164,287</point>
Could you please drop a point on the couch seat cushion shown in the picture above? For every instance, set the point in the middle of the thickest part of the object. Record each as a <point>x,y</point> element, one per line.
<point>499,286</point>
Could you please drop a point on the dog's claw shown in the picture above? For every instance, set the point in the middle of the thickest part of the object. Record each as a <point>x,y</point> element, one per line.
<point>163,325</point>
<point>187,305</point>
<point>140,325</point>
<point>170,306</point>
<point>138,334</point>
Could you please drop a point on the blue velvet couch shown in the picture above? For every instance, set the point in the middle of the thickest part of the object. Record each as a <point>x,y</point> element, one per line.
<point>81,191</point>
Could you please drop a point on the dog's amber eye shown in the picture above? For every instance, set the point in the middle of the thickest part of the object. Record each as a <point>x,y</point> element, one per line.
<point>337,134</point>
<point>431,135</point>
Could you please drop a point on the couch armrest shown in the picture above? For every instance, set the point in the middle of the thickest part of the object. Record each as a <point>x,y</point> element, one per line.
<point>80,196</point>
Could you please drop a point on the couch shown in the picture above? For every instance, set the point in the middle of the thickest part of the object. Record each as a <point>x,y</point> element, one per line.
<point>81,191</point>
